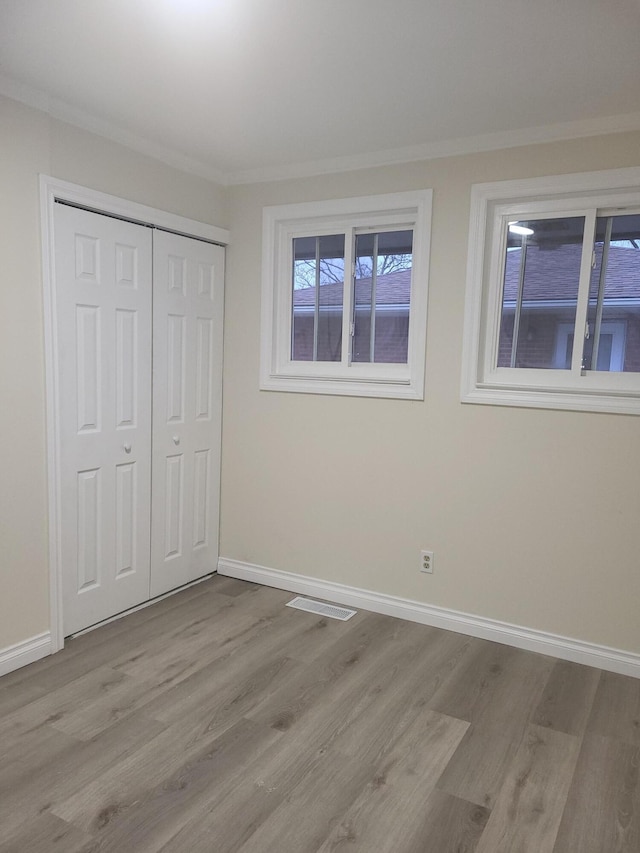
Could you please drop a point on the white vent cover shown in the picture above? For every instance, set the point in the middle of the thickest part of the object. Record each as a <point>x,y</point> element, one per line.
<point>330,610</point>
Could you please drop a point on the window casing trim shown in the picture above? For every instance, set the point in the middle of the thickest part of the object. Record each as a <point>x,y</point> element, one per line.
<point>281,224</point>
<point>493,204</point>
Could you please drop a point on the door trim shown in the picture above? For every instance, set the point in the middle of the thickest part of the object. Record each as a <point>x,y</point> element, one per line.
<point>52,190</point>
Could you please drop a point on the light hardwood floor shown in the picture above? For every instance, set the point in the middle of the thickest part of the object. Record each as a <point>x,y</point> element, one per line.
<point>219,720</point>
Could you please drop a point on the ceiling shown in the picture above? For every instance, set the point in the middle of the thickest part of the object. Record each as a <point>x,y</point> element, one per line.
<point>239,90</point>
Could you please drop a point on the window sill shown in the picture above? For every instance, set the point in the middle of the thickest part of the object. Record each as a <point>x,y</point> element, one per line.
<point>620,404</point>
<point>399,390</point>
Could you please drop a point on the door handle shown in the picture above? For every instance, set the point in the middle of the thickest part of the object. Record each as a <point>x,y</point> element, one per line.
<point>176,439</point>
<point>127,448</point>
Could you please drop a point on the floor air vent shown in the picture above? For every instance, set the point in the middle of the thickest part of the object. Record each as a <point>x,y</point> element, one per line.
<point>322,609</point>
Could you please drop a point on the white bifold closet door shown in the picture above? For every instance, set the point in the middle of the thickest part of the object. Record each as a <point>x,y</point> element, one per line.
<point>103,270</point>
<point>139,439</point>
<point>187,405</point>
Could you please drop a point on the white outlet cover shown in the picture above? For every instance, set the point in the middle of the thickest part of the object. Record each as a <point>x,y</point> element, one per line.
<point>426,562</point>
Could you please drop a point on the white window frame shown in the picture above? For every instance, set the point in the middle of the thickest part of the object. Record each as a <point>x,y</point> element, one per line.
<point>281,223</point>
<point>493,205</point>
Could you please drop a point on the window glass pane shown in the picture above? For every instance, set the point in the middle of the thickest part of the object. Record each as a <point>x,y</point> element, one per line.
<point>540,292</point>
<point>614,297</point>
<point>304,298</point>
<point>318,287</point>
<point>382,285</point>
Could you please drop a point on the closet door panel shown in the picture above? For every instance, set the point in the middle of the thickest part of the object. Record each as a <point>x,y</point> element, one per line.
<point>103,296</point>
<point>187,406</point>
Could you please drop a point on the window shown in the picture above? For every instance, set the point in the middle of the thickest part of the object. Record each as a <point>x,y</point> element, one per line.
<point>553,293</point>
<point>344,296</point>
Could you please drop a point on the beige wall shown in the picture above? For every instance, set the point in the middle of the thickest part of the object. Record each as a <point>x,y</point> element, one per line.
<point>31,143</point>
<point>24,147</point>
<point>533,515</point>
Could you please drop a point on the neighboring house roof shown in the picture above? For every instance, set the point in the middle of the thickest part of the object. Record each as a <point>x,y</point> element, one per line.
<point>623,279</point>
<point>545,282</point>
<point>392,290</point>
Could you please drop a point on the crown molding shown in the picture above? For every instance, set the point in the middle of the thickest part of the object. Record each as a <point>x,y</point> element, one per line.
<point>62,111</point>
<point>557,132</point>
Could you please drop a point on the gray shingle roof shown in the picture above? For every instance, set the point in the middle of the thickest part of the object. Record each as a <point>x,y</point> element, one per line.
<point>391,289</point>
<point>553,274</point>
<point>623,279</point>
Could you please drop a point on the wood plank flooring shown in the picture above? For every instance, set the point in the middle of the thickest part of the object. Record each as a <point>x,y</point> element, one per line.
<point>220,721</point>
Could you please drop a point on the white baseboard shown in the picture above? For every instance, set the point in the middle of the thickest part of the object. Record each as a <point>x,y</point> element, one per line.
<point>28,651</point>
<point>578,651</point>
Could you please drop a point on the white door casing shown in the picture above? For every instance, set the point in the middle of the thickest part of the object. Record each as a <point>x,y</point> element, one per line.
<point>187,406</point>
<point>103,279</point>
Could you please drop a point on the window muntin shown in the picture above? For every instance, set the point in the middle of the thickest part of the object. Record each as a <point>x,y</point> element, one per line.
<point>568,375</point>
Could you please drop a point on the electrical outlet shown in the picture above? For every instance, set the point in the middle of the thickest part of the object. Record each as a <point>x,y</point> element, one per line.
<point>426,562</point>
